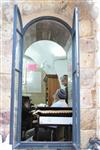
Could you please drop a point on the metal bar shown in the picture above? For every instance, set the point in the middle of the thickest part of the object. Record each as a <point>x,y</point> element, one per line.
<point>20,19</point>
<point>19,32</point>
<point>13,76</point>
<point>73,86</point>
<point>19,79</point>
<point>20,91</point>
<point>18,70</point>
<point>63,145</point>
<point>15,30</point>
<point>76,82</point>
<point>78,77</point>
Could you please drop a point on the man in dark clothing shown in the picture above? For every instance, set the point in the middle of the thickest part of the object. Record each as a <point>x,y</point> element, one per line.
<point>26,116</point>
<point>64,81</point>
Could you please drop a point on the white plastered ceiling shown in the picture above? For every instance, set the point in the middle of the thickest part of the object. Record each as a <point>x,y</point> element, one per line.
<point>48,55</point>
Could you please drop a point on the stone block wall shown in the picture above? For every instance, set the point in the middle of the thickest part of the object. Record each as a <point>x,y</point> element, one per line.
<point>98,80</point>
<point>89,51</point>
<point>5,74</point>
<point>87,82</point>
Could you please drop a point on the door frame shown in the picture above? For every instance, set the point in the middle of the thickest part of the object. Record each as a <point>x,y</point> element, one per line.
<point>16,31</point>
<point>74,143</point>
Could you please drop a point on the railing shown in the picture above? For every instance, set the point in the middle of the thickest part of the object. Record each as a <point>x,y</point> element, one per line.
<point>94,144</point>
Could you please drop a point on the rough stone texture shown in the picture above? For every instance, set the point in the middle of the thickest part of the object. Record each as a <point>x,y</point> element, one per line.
<point>7,48</point>
<point>94,98</point>
<point>87,79</point>
<point>6,118</point>
<point>28,8</point>
<point>6,57</point>
<point>98,74</point>
<point>86,100</point>
<point>6,64</point>
<point>7,31</point>
<point>88,121</point>
<point>85,136</point>
<point>98,77</point>
<point>98,119</point>
<point>5,131</point>
<point>87,60</point>
<point>87,45</point>
<point>98,94</point>
<point>98,60</point>
<point>98,133</point>
<point>85,28</point>
<point>5,91</point>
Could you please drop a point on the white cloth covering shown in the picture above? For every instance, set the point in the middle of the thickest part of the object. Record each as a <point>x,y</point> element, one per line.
<point>60,103</point>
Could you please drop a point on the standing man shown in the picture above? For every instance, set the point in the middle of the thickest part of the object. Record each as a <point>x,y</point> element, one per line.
<point>68,129</point>
<point>64,82</point>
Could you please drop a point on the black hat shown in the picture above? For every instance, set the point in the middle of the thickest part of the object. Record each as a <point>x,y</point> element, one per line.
<point>61,94</point>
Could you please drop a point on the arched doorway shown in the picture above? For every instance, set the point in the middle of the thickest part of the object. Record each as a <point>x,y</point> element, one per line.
<point>58,41</point>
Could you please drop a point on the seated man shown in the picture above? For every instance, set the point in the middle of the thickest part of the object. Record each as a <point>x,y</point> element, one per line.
<point>59,101</point>
<point>59,98</point>
<point>26,117</point>
<point>44,134</point>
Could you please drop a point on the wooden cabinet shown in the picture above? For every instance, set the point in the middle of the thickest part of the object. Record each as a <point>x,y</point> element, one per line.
<point>52,84</point>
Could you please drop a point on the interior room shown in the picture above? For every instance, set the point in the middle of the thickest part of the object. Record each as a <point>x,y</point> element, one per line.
<point>47,57</point>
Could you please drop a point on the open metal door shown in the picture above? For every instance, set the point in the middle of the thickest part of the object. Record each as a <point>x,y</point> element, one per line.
<point>76,80</point>
<point>16,83</point>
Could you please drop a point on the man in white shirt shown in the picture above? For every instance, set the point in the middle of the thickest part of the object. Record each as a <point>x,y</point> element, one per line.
<point>59,98</point>
<point>60,101</point>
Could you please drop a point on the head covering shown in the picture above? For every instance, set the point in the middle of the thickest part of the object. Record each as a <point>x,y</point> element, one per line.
<point>61,94</point>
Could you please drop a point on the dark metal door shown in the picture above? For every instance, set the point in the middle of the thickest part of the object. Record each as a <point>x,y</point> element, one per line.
<point>16,84</point>
<point>76,80</point>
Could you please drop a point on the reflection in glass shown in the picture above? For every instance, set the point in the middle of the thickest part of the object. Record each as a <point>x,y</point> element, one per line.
<point>16,107</point>
<point>18,51</point>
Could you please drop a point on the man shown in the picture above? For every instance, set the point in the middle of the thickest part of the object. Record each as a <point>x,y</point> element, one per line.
<point>64,82</point>
<point>68,130</point>
<point>26,117</point>
<point>44,134</point>
<point>59,98</point>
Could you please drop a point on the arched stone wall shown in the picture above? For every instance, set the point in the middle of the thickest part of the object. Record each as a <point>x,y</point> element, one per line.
<point>89,55</point>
